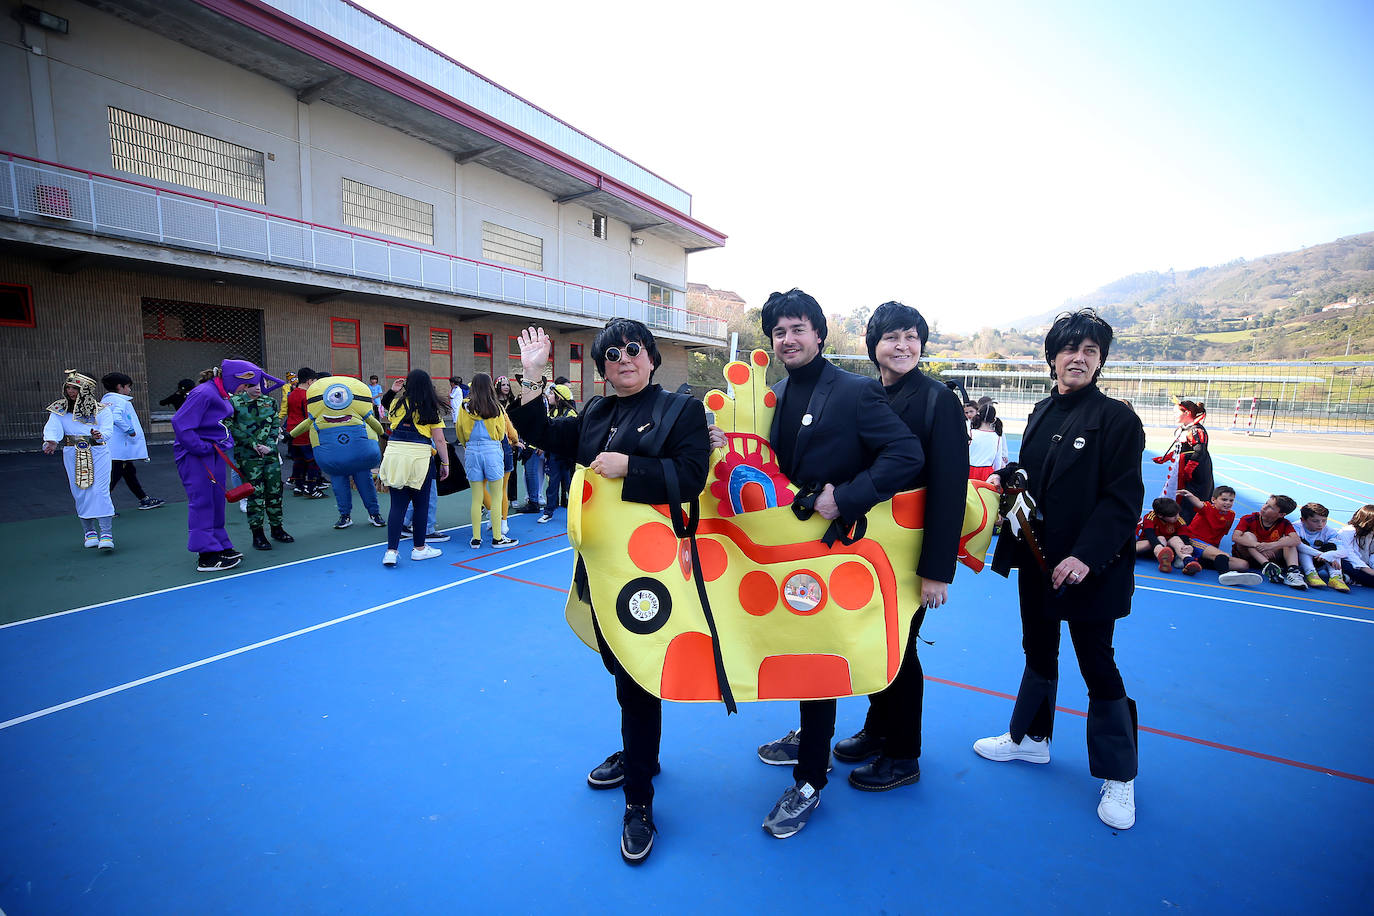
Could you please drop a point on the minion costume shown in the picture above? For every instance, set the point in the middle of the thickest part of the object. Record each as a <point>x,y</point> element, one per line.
<point>198,429</point>
<point>344,433</point>
<point>83,430</point>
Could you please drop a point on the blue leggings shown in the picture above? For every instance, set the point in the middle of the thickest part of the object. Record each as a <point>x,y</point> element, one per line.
<point>402,497</point>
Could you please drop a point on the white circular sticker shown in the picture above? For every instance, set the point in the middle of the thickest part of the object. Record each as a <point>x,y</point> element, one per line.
<point>644,605</point>
<point>1079,442</point>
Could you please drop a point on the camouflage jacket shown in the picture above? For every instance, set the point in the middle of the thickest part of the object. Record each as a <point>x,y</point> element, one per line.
<point>254,422</point>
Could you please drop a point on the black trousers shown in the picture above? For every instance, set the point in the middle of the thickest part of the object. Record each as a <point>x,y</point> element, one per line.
<point>813,751</point>
<point>1092,644</point>
<point>641,730</point>
<point>124,470</point>
<point>894,713</point>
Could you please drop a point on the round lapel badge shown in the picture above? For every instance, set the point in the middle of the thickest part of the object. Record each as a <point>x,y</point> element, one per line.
<point>1079,442</point>
<point>806,419</point>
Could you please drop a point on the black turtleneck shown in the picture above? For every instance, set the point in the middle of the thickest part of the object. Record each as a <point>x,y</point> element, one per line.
<point>801,382</point>
<point>1036,449</point>
<point>891,390</point>
<point>625,407</point>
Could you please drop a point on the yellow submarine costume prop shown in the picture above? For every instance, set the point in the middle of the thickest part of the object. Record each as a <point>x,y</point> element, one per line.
<point>343,428</point>
<point>795,619</point>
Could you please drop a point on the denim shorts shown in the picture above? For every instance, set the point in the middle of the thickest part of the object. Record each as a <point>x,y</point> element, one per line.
<point>484,462</point>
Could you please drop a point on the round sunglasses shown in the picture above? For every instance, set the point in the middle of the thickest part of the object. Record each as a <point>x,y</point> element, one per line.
<point>631,350</point>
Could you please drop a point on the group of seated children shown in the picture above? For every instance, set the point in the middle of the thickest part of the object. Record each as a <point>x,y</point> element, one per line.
<point>1315,554</point>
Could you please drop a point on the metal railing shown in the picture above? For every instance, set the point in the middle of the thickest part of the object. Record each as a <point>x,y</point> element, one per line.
<point>51,194</point>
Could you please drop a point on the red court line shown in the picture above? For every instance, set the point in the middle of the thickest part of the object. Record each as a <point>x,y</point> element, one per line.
<point>1159,731</point>
<point>553,588</point>
<point>504,551</point>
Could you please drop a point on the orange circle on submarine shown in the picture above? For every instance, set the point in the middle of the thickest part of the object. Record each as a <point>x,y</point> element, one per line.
<point>713,559</point>
<point>758,593</point>
<point>770,399</point>
<point>851,585</point>
<point>759,357</point>
<point>715,401</point>
<point>737,373</point>
<point>586,491</point>
<point>653,547</point>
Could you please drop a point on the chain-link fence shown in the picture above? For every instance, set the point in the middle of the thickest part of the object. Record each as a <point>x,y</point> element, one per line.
<point>183,338</point>
<point>1259,398</point>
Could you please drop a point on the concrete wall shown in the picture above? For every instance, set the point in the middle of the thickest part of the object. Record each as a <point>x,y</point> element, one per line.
<point>92,321</point>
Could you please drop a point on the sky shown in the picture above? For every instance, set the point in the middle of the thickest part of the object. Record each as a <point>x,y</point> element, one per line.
<point>982,162</point>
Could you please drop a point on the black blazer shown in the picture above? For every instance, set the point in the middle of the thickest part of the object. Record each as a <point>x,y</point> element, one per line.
<point>944,441</point>
<point>583,437</point>
<point>1090,491</point>
<point>854,442</point>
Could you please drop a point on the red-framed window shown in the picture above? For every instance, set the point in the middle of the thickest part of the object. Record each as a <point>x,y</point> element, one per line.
<point>575,352</point>
<point>441,357</point>
<point>514,366</point>
<point>345,347</point>
<point>16,306</point>
<point>395,350</point>
<point>482,357</point>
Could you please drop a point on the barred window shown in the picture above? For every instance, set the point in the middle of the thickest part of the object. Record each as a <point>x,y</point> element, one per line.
<point>345,347</point>
<point>440,357</point>
<point>511,246</point>
<point>165,152</point>
<point>376,210</point>
<point>16,306</point>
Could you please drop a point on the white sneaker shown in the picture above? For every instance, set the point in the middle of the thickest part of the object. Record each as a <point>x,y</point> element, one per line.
<point>425,553</point>
<point>92,539</point>
<point>1117,807</point>
<point>389,558</point>
<point>243,505</point>
<point>1003,748</point>
<point>1240,577</point>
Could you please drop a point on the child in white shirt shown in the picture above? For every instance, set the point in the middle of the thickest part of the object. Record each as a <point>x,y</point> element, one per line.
<point>1318,549</point>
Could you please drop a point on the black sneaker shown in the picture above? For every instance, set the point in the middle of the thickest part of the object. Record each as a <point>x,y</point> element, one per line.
<point>375,519</point>
<point>637,834</point>
<point>406,529</point>
<point>231,554</point>
<point>885,773</point>
<point>150,502</point>
<point>546,517</point>
<point>437,536</point>
<point>214,562</point>
<point>610,773</point>
<point>1273,572</point>
<point>858,748</point>
<point>345,521</point>
<point>504,542</point>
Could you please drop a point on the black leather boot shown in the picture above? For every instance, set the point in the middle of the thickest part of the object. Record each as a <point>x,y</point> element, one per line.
<point>279,534</point>
<point>260,541</point>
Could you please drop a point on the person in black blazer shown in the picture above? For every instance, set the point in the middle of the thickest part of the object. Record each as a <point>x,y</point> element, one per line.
<point>834,434</point>
<point>614,437</point>
<point>1081,453</point>
<point>896,336</point>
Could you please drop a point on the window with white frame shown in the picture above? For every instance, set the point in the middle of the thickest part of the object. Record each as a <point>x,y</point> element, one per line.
<point>386,212</point>
<point>165,152</point>
<point>511,246</point>
<point>660,305</point>
<point>600,226</point>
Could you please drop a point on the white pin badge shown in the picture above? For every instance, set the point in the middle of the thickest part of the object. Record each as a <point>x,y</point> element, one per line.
<point>806,419</point>
<point>1079,443</point>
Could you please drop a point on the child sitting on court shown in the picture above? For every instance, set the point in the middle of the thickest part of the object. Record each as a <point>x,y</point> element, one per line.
<point>1211,521</point>
<point>1265,536</point>
<point>1318,550</point>
<point>1357,543</point>
<point>1159,534</point>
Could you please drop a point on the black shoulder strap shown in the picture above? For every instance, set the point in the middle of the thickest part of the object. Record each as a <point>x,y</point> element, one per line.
<point>668,406</point>
<point>928,418</point>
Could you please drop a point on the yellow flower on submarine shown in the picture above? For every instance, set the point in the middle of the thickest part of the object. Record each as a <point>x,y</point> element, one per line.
<point>795,619</point>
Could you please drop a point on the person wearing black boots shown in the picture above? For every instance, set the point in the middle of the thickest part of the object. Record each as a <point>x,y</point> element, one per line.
<point>1075,555</point>
<point>896,336</point>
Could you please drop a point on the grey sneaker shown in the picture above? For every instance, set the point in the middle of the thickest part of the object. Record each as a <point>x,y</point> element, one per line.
<point>792,811</point>
<point>1293,579</point>
<point>782,752</point>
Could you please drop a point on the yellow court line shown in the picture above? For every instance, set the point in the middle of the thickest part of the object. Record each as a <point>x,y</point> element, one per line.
<point>1233,589</point>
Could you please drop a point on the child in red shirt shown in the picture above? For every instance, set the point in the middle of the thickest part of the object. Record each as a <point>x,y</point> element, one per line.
<point>1265,536</point>
<point>1209,525</point>
<point>1160,534</point>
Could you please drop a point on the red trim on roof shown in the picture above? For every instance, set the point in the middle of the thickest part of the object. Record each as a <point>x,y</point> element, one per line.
<point>308,40</point>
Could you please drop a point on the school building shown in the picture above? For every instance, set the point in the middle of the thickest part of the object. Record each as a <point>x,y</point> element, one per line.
<point>299,182</point>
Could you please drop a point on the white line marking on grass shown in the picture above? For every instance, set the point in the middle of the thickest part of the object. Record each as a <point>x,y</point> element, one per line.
<point>210,581</point>
<point>266,642</point>
<point>1276,607</point>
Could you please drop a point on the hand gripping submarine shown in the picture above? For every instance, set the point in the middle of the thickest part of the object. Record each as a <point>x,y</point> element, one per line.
<point>794,619</point>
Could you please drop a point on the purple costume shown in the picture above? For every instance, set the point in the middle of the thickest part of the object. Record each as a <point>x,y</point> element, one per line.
<point>198,426</point>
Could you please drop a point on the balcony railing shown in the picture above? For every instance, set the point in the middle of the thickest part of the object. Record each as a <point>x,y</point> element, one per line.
<point>35,191</point>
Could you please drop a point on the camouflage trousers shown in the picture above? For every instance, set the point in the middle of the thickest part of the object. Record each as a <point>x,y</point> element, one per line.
<point>264,473</point>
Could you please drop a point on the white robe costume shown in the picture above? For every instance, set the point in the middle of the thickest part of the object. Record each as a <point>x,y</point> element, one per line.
<point>93,501</point>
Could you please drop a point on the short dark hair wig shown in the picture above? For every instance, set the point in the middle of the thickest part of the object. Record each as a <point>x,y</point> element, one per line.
<point>620,331</point>
<point>113,380</point>
<point>1072,328</point>
<point>793,304</point>
<point>893,316</point>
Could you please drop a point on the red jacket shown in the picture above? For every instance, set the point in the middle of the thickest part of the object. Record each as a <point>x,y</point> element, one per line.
<point>295,413</point>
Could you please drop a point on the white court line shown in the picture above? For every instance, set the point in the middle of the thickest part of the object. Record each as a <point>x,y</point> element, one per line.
<point>1358,483</point>
<point>266,642</point>
<point>1276,607</point>
<point>210,581</point>
<point>1343,497</point>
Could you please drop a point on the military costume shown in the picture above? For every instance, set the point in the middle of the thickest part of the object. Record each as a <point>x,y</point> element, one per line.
<point>255,423</point>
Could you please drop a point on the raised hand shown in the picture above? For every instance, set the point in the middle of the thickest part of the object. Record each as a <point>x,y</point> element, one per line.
<point>535,350</point>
